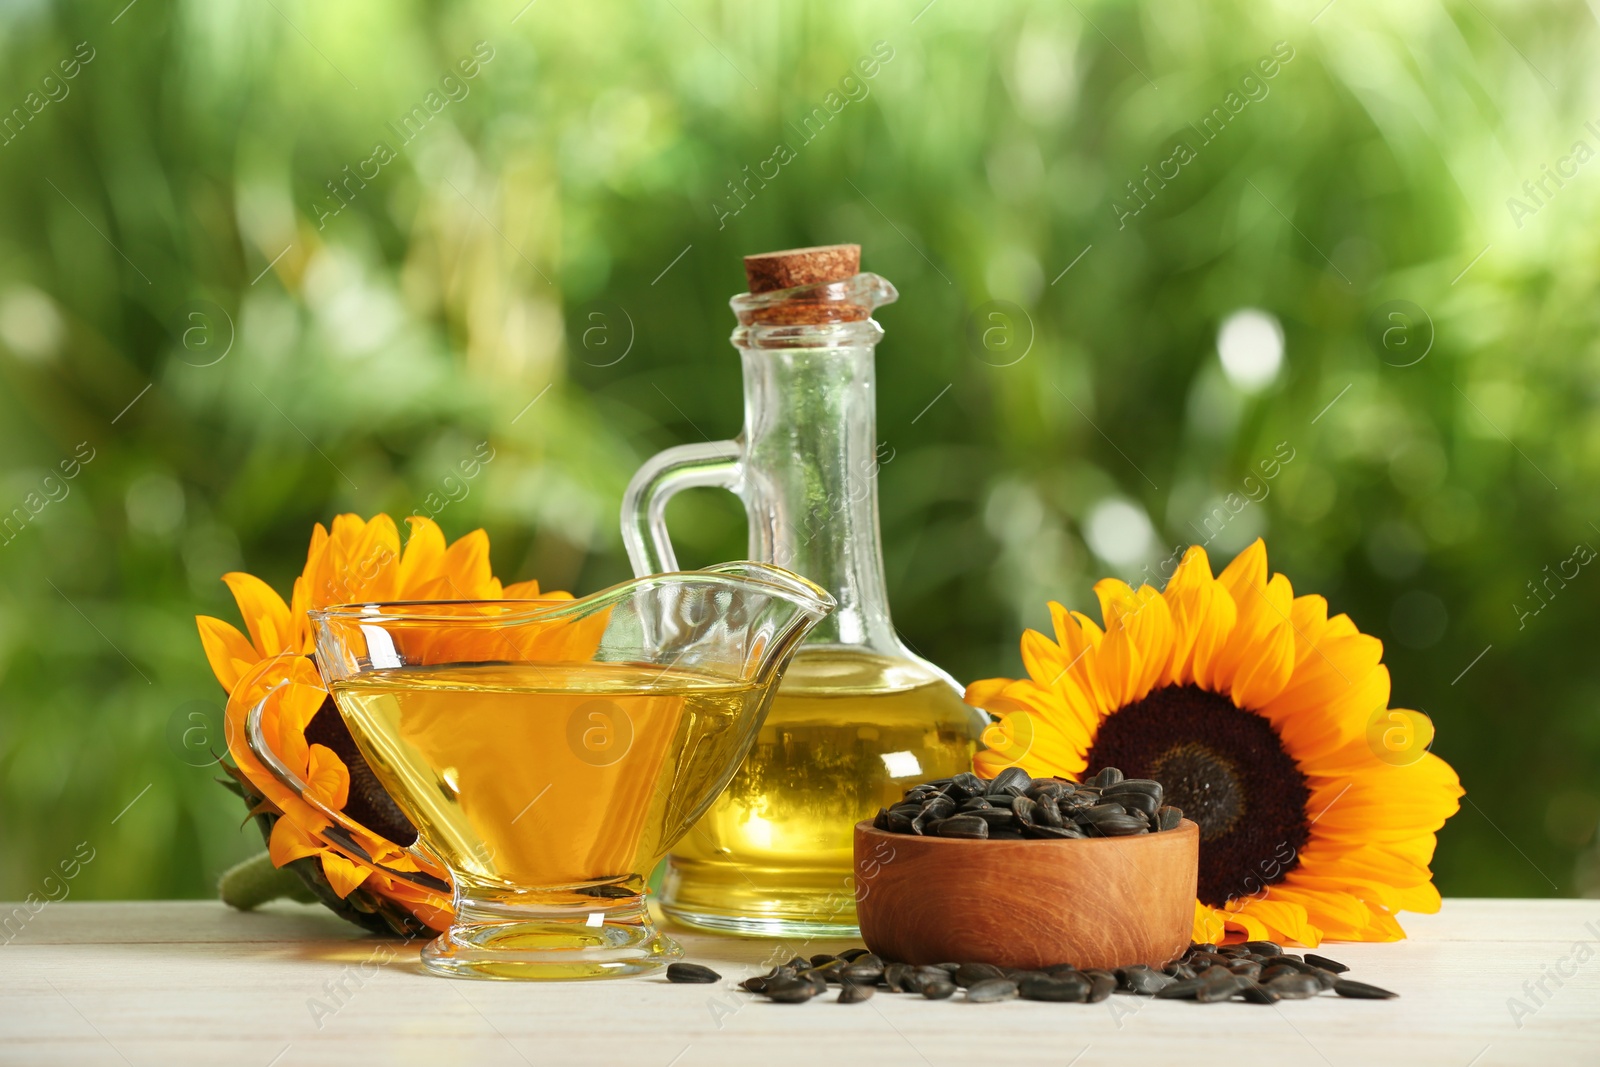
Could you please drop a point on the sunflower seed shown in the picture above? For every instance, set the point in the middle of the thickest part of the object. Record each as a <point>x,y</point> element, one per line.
<point>971,973</point>
<point>1168,817</point>
<point>1119,825</point>
<point>1295,986</point>
<point>969,827</point>
<point>974,804</point>
<point>850,955</point>
<point>1348,987</point>
<point>818,979</point>
<point>867,968</point>
<point>937,990</point>
<point>1256,993</point>
<point>1147,786</point>
<point>991,990</point>
<point>1107,776</point>
<point>1104,811</point>
<point>895,975</point>
<point>997,818</point>
<point>1101,985</point>
<point>939,807</point>
<point>1046,813</point>
<point>1265,948</point>
<point>1184,990</point>
<point>1140,802</point>
<point>855,993</point>
<point>790,991</point>
<point>1069,988</point>
<point>1013,780</point>
<point>966,785</point>
<point>1325,963</point>
<point>691,972</point>
<point>1221,988</point>
<point>1144,981</point>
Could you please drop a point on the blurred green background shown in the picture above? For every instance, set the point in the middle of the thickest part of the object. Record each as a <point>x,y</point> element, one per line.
<point>1334,272</point>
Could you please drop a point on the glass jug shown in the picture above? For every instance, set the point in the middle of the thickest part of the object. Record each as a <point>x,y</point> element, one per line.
<point>858,718</point>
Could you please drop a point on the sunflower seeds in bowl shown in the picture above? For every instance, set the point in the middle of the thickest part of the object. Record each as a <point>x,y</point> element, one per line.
<point>1013,805</point>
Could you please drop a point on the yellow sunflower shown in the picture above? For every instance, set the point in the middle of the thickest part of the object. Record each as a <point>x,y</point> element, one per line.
<point>1268,723</point>
<point>348,825</point>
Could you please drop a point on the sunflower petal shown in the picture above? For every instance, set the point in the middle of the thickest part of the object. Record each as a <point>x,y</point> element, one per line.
<point>466,564</point>
<point>345,876</point>
<point>1080,639</point>
<point>265,614</point>
<point>227,650</point>
<point>1050,669</point>
<point>1138,639</point>
<point>1258,659</point>
<point>288,843</point>
<point>327,778</point>
<point>423,558</point>
<point>988,694</point>
<point>1283,921</point>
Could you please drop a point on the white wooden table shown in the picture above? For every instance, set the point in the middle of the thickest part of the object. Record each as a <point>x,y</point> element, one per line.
<point>194,982</point>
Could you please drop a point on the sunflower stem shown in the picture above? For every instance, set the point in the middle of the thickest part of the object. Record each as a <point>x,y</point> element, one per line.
<point>256,881</point>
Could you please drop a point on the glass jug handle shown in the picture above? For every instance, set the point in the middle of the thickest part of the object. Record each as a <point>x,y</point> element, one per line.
<point>644,505</point>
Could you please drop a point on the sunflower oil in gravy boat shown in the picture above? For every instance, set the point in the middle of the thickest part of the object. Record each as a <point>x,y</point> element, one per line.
<point>550,753</point>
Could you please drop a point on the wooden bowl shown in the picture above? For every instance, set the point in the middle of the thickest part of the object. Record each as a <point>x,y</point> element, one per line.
<point>1093,902</point>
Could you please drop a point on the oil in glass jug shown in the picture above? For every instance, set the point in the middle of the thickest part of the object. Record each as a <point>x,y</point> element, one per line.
<point>858,718</point>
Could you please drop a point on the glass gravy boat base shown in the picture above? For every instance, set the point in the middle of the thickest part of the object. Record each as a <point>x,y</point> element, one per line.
<point>547,943</point>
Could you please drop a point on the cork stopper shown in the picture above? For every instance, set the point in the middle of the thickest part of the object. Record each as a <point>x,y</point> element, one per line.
<point>801,266</point>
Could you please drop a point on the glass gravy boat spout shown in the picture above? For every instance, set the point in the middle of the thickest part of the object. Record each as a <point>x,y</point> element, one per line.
<point>550,752</point>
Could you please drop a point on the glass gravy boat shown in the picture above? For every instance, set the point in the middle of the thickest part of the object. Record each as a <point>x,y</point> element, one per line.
<point>550,752</point>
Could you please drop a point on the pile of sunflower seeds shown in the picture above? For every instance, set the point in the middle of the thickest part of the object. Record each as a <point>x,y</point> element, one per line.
<point>1257,972</point>
<point>1012,806</point>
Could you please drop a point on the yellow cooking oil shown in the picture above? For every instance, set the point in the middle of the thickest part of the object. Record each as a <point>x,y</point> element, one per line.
<point>848,732</point>
<point>560,776</point>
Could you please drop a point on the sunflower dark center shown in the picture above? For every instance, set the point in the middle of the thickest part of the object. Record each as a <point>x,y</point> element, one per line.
<point>1228,770</point>
<point>1204,784</point>
<point>368,804</point>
